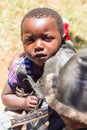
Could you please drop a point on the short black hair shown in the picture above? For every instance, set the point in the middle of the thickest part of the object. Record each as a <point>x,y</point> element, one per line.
<point>45,12</point>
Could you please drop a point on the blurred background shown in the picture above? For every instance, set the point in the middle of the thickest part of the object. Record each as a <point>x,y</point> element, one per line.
<point>12,12</point>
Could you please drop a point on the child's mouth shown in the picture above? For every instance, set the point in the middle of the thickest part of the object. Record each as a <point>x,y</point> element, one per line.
<point>41,56</point>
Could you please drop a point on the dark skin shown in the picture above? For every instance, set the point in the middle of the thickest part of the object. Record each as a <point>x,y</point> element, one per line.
<point>41,40</point>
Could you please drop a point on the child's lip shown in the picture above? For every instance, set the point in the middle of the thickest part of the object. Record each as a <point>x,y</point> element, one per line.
<point>41,56</point>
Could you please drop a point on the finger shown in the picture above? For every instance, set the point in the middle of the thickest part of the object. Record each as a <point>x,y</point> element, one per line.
<point>33,100</point>
<point>33,97</point>
<point>30,107</point>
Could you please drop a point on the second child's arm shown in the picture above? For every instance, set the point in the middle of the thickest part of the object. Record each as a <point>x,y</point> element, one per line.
<point>13,102</point>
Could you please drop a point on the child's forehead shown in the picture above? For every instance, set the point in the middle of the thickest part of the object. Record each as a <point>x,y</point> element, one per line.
<point>41,19</point>
<point>51,21</point>
<point>40,22</point>
<point>40,26</point>
<point>45,13</point>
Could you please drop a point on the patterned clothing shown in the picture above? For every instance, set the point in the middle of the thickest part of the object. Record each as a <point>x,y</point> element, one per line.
<point>12,77</point>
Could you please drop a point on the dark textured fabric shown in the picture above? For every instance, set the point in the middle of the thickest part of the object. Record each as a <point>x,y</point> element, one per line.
<point>53,120</point>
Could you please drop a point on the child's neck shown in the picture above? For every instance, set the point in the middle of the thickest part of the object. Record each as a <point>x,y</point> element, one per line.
<point>37,70</point>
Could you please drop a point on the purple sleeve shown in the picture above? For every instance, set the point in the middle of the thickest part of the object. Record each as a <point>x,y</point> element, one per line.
<point>12,77</point>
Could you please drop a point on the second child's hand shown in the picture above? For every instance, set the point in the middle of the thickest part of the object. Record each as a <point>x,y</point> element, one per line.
<point>31,103</point>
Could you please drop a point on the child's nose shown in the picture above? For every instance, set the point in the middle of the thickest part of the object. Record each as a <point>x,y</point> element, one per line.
<point>39,45</point>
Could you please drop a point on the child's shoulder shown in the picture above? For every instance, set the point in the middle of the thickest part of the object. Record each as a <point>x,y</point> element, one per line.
<point>22,60</point>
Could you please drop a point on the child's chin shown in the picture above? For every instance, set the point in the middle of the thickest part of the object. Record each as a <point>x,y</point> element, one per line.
<point>41,64</point>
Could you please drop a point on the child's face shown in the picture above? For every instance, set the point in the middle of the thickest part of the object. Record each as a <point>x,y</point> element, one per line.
<point>41,39</point>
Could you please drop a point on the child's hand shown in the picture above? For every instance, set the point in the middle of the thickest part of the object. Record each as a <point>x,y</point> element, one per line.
<point>31,103</point>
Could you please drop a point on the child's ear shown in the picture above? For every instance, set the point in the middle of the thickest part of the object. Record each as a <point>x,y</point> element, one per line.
<point>64,38</point>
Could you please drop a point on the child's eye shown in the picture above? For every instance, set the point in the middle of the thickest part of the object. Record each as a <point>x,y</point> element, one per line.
<point>48,38</point>
<point>29,40</point>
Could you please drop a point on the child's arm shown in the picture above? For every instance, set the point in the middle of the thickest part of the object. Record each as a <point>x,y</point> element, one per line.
<point>16,57</point>
<point>13,102</point>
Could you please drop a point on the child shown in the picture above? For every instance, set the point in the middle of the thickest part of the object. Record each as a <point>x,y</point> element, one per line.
<point>42,37</point>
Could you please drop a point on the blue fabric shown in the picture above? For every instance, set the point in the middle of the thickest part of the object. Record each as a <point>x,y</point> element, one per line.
<point>12,77</point>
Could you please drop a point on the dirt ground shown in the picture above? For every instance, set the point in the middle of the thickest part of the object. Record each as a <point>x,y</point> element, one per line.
<point>3,76</point>
<point>5,58</point>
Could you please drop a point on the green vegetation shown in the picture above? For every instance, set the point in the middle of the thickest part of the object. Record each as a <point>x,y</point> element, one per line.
<point>76,13</point>
<point>12,11</point>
